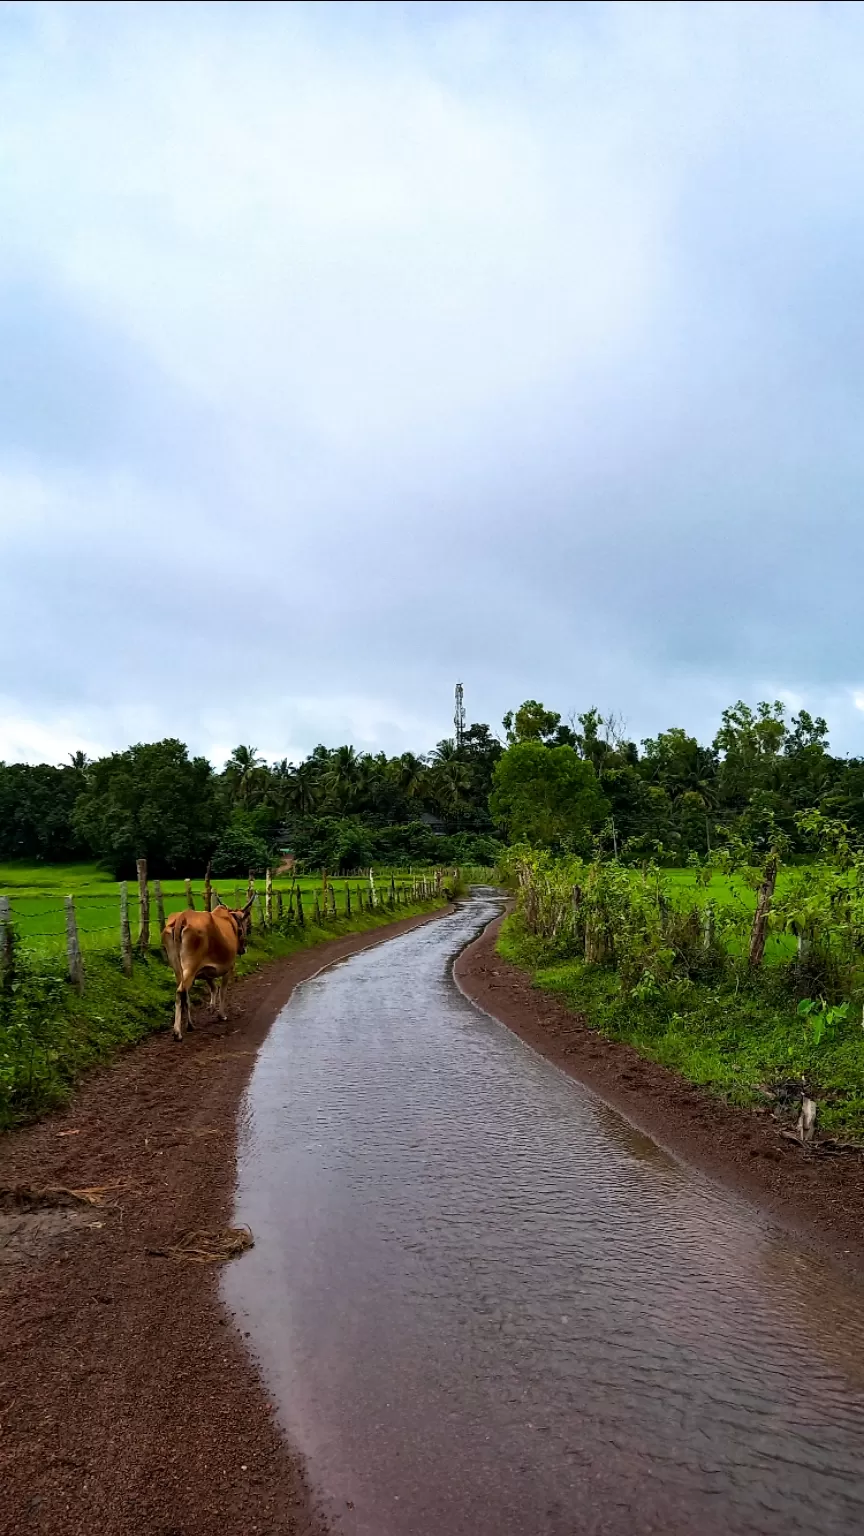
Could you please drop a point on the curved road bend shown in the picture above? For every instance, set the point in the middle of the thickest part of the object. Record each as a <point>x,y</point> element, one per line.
<point>485,1305</point>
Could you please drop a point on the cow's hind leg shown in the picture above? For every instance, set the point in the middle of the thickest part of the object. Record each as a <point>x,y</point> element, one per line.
<point>223,993</point>
<point>172,950</point>
<point>181,1011</point>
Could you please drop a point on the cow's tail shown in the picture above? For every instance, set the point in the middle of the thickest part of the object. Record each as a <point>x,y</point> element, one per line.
<point>172,938</point>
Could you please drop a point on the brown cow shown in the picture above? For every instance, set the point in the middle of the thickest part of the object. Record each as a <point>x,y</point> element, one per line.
<point>205,945</point>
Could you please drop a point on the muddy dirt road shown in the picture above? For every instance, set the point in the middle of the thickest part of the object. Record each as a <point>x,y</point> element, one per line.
<point>480,1301</point>
<point>484,1304</point>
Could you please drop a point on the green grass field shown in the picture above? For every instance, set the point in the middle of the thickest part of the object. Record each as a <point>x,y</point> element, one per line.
<point>36,897</point>
<point>731,891</point>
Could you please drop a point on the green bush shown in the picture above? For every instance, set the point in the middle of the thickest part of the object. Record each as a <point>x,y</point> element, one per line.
<point>239,850</point>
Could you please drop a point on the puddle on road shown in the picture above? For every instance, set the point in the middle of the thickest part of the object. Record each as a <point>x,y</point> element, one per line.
<point>486,1305</point>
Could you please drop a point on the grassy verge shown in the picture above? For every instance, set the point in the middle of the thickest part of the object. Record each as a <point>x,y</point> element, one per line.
<point>49,1035</point>
<point>736,1038</point>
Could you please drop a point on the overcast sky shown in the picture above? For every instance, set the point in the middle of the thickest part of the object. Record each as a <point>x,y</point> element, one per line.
<point>347,350</point>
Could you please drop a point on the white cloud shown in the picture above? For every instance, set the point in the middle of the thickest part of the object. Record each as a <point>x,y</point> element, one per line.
<point>42,741</point>
<point>366,347</point>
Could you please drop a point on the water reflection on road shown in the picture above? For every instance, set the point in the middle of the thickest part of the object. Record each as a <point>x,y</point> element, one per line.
<point>486,1304</point>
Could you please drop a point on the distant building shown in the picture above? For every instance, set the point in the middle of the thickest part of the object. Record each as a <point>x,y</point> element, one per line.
<point>434,823</point>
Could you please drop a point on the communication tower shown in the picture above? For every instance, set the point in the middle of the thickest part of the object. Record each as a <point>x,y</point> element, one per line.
<point>459,716</point>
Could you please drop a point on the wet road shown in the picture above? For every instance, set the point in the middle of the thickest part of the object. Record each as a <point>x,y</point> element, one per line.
<point>486,1305</point>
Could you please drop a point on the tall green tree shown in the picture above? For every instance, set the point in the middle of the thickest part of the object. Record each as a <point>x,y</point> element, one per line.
<point>532,721</point>
<point>547,796</point>
<point>37,802</point>
<point>151,801</point>
<point>750,745</point>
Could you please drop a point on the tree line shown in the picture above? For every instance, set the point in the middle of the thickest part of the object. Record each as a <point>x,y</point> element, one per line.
<point>672,798</point>
<point>581,786</point>
<point>339,808</point>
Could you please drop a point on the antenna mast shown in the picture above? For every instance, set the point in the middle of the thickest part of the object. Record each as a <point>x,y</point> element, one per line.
<point>459,716</point>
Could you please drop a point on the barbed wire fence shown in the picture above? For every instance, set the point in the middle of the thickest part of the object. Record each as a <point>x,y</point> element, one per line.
<point>281,909</point>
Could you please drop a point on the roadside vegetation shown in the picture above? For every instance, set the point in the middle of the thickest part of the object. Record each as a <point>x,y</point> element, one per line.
<point>747,981</point>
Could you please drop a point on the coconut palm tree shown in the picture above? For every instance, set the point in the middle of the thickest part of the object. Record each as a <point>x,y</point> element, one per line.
<point>303,788</point>
<point>452,782</point>
<point>344,775</point>
<point>444,751</point>
<point>243,770</point>
<point>409,772</point>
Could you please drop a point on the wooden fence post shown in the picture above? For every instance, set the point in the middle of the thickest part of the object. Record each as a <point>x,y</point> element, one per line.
<point>332,902</point>
<point>371,891</point>
<point>190,899</point>
<point>576,902</point>
<point>5,936</point>
<point>347,900</point>
<point>300,918</point>
<point>264,922</point>
<point>125,932</point>
<point>160,905</point>
<point>392,891</point>
<point>759,931</point>
<point>279,907</point>
<point>143,906</point>
<point>268,898</point>
<point>73,948</point>
<point>317,911</point>
<point>208,887</point>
